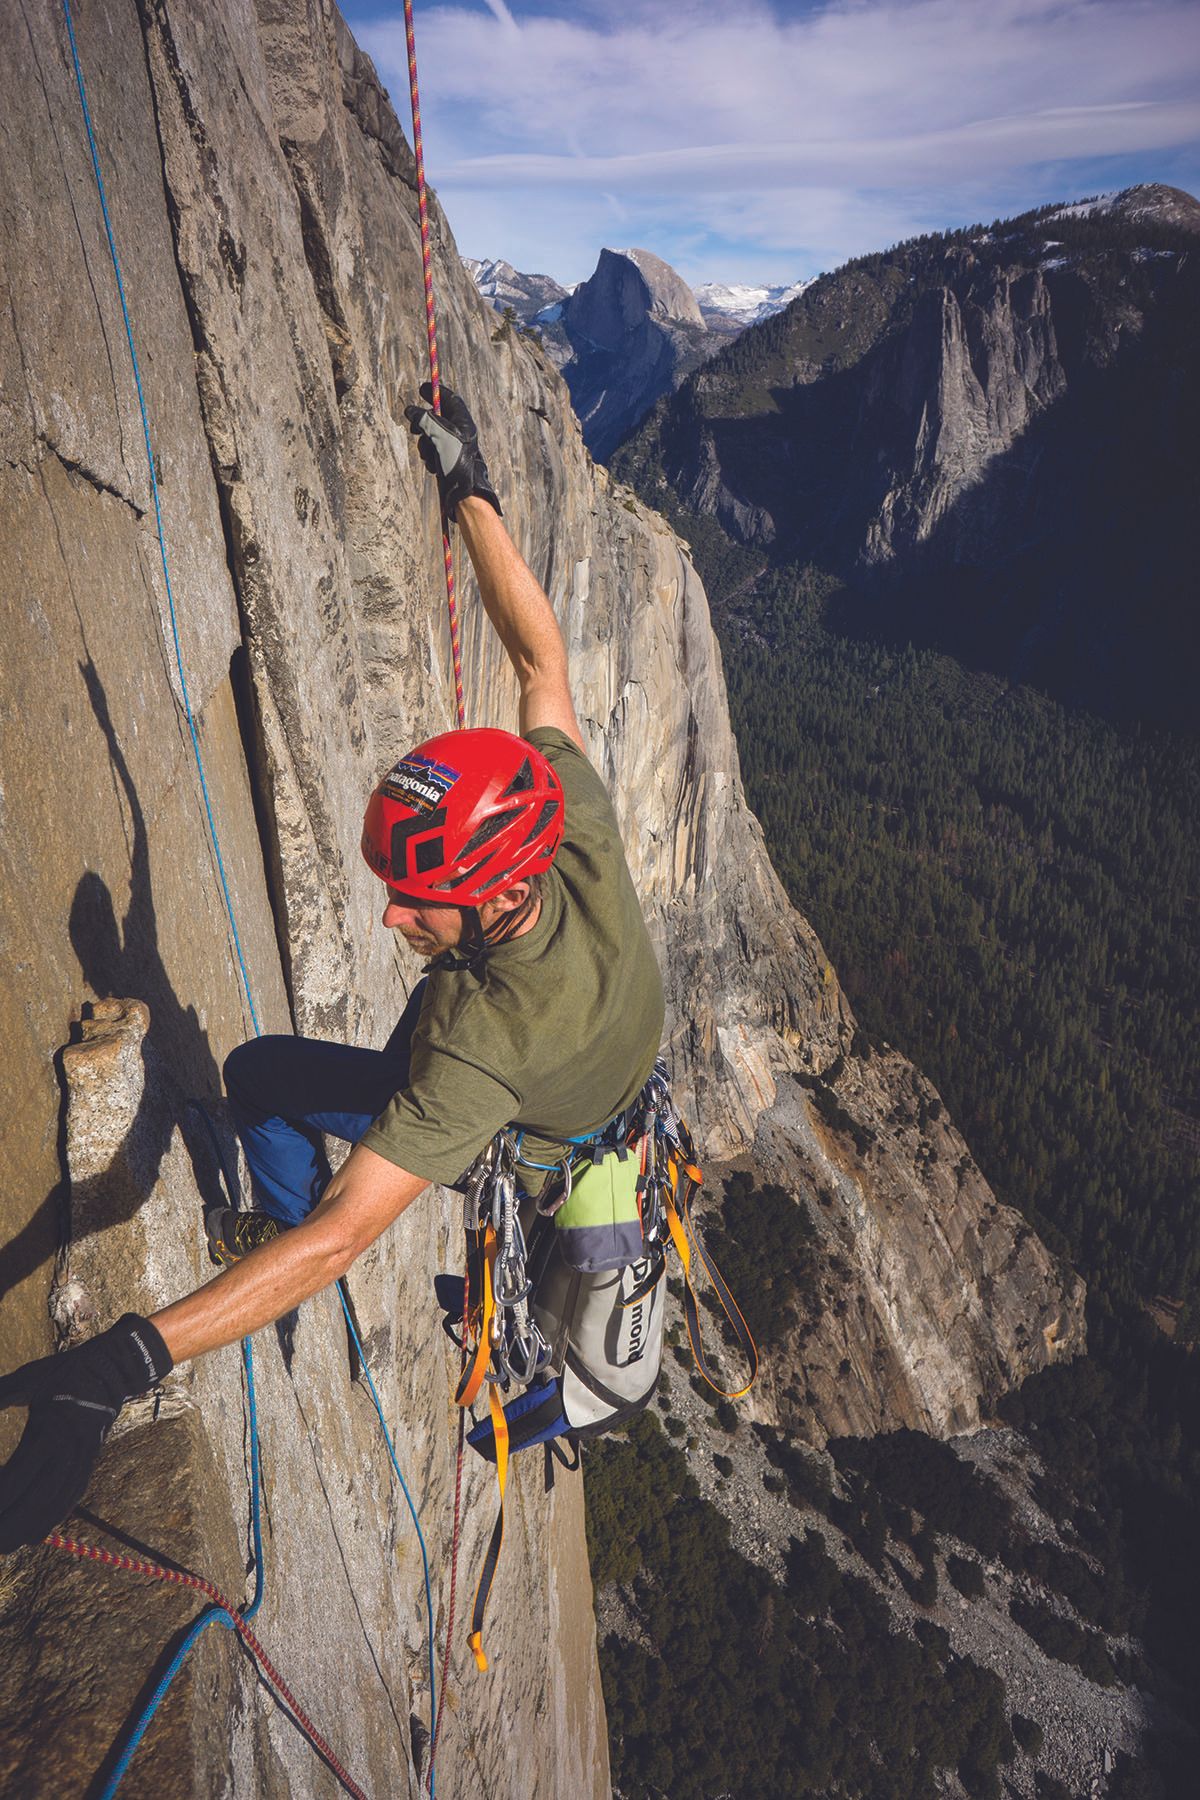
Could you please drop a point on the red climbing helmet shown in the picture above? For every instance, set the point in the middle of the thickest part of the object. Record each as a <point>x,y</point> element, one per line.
<point>464,816</point>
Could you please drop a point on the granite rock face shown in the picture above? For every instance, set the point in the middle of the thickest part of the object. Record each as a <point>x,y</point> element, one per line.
<point>262,197</point>
<point>930,1298</point>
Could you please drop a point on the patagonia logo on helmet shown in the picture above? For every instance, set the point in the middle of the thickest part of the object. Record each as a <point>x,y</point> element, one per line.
<point>419,783</point>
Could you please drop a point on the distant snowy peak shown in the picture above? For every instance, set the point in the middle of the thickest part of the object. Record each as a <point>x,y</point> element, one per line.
<point>502,286</point>
<point>1150,200</point>
<point>724,307</point>
<point>1085,209</point>
<point>727,305</point>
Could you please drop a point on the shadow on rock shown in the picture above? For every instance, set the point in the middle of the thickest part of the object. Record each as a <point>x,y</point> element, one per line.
<point>118,1117</point>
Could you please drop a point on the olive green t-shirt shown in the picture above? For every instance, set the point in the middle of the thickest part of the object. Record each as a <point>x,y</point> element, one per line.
<point>553,1032</point>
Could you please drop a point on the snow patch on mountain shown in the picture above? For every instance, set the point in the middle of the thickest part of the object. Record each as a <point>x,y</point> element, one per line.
<point>502,286</point>
<point>1084,209</point>
<point>725,307</point>
<point>742,304</point>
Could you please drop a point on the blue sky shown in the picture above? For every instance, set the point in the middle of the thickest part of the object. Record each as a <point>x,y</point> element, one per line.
<point>761,142</point>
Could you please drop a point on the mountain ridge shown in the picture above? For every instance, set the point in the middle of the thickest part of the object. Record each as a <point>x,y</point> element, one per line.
<point>965,434</point>
<point>632,331</point>
<point>724,305</point>
<point>503,286</point>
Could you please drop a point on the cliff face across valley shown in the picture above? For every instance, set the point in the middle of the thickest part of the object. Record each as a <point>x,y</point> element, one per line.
<point>983,438</point>
<point>262,196</point>
<point>630,332</point>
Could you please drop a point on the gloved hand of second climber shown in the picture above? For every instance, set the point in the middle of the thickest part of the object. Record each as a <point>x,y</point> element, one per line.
<point>449,445</point>
<point>73,1400</point>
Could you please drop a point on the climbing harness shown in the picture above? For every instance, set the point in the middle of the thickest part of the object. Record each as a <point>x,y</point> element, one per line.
<point>570,1323</point>
<point>220,1610</point>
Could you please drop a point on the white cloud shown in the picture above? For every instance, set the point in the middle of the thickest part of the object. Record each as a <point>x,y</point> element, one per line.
<point>896,161</point>
<point>730,120</point>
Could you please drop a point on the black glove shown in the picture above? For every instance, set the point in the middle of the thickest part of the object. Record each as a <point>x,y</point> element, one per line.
<point>449,445</point>
<point>73,1399</point>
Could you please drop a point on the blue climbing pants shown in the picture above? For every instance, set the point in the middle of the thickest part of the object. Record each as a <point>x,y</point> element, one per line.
<point>286,1092</point>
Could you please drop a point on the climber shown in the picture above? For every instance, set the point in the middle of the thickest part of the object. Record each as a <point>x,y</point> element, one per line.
<point>541,1005</point>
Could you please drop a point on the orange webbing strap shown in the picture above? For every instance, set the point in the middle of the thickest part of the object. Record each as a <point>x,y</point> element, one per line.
<point>486,1574</point>
<point>483,1247</point>
<point>472,1381</point>
<point>679,1237</point>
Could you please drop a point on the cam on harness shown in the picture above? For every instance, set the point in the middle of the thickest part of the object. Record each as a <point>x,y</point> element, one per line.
<point>563,1301</point>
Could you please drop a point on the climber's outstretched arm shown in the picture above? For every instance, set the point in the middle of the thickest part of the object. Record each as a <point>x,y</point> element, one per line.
<point>74,1398</point>
<point>523,617</point>
<point>515,601</point>
<point>365,1196</point>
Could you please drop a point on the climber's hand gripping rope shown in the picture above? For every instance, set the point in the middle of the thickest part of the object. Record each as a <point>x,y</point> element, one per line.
<point>449,446</point>
<point>73,1401</point>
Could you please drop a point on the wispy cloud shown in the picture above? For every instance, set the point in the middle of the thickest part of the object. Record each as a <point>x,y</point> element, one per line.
<point>499,11</point>
<point>780,134</point>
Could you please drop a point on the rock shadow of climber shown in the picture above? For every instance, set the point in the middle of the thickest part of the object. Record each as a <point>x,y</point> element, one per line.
<point>124,961</point>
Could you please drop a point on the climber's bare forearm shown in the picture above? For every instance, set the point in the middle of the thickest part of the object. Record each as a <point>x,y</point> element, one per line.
<point>523,618</point>
<point>361,1201</point>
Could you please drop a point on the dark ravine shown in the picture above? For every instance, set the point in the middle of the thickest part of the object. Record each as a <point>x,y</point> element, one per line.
<point>262,197</point>
<point>1004,358</point>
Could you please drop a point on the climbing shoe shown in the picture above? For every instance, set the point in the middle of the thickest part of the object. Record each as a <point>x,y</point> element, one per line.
<point>232,1234</point>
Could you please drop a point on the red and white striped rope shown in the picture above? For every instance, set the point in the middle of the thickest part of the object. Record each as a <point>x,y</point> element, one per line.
<point>431,327</point>
<point>181,1578</point>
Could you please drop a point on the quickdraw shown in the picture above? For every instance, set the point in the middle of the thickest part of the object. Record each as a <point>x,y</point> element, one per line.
<point>508,1346</point>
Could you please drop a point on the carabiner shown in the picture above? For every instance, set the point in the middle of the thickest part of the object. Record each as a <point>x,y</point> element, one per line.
<point>547,1208</point>
<point>527,1355</point>
<point>508,1296</point>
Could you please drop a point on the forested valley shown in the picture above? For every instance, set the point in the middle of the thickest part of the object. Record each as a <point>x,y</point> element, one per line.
<point>939,507</point>
<point>1008,890</point>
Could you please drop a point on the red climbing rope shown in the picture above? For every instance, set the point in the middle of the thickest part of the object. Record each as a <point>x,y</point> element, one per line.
<point>181,1578</point>
<point>454,1543</point>
<point>455,1536</point>
<point>456,652</point>
<point>431,327</point>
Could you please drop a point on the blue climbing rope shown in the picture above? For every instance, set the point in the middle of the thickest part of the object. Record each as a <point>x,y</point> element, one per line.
<point>232,1191</point>
<point>162,543</point>
<point>214,1614</point>
<point>210,1616</point>
<point>387,1438</point>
